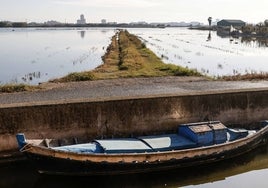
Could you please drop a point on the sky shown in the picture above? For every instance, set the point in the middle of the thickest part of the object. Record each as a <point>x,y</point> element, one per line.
<point>125,11</point>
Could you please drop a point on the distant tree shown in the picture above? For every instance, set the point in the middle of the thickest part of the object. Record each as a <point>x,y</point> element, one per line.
<point>261,24</point>
<point>3,24</point>
<point>266,23</point>
<point>19,24</point>
<point>209,21</point>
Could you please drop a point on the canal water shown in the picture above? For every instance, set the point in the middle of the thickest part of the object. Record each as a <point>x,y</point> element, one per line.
<point>34,55</point>
<point>248,171</point>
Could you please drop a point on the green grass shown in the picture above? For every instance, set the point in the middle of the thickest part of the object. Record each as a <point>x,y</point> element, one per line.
<point>249,76</point>
<point>178,71</point>
<point>11,88</point>
<point>76,77</point>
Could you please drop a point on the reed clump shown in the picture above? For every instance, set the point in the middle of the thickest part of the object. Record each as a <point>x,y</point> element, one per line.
<point>245,77</point>
<point>11,88</point>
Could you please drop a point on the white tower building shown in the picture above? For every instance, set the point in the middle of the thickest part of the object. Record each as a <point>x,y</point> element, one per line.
<point>82,20</point>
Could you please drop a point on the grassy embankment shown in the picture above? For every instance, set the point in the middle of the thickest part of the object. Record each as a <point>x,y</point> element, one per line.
<point>128,57</point>
<point>11,88</point>
<point>245,77</point>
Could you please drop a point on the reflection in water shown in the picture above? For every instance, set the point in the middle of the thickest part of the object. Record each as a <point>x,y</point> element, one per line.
<point>104,31</point>
<point>209,36</point>
<point>30,76</point>
<point>223,33</point>
<point>82,34</point>
<point>18,175</point>
<point>258,160</point>
<point>251,41</point>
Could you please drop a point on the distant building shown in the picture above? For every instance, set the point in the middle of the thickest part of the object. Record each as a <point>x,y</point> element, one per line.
<point>82,20</point>
<point>229,23</point>
<point>266,23</point>
<point>103,21</point>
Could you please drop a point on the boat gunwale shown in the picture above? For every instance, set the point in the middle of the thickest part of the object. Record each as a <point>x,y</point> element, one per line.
<point>146,156</point>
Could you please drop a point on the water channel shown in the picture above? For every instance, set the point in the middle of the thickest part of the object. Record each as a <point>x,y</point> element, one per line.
<point>248,171</point>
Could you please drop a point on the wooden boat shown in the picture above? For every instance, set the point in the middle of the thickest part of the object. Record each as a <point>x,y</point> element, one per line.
<point>193,144</point>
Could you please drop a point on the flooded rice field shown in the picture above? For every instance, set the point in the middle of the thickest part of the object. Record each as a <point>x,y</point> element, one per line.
<point>33,55</point>
<point>207,51</point>
<point>248,171</point>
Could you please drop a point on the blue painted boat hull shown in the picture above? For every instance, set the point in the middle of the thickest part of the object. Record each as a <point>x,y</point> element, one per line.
<point>59,166</point>
<point>48,160</point>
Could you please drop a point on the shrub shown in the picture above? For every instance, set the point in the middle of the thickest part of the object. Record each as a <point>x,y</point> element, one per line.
<point>10,88</point>
<point>76,77</point>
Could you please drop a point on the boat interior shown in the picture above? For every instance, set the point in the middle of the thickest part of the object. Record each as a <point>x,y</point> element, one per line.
<point>188,136</point>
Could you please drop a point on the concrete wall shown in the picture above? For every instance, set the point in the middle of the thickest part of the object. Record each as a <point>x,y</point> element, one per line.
<point>128,116</point>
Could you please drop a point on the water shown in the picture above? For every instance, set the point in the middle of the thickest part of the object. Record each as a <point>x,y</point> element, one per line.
<point>33,55</point>
<point>36,55</point>
<point>206,51</point>
<point>248,171</point>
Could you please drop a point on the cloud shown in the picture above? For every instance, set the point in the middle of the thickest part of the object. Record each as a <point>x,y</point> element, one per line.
<point>111,4</point>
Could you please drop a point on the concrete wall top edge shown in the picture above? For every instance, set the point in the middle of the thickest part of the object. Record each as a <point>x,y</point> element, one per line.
<point>113,98</point>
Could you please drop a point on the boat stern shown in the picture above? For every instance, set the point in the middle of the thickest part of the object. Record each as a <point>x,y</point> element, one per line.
<point>21,140</point>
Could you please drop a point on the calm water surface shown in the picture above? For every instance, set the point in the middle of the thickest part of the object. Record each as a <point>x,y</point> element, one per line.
<point>35,55</point>
<point>247,172</point>
<point>208,52</point>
